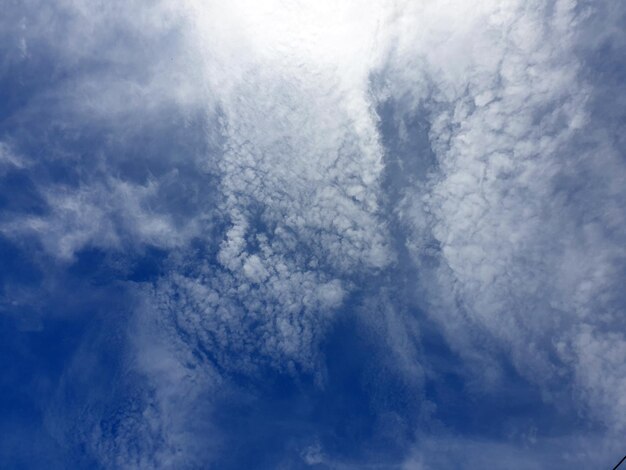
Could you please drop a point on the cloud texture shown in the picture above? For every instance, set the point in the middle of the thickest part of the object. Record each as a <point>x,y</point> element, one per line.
<point>408,204</point>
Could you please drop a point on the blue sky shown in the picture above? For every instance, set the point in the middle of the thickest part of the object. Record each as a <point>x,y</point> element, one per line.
<point>329,235</point>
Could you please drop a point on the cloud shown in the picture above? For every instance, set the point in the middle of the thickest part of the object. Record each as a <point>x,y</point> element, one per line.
<point>247,142</point>
<point>105,215</point>
<point>298,177</point>
<point>8,159</point>
<point>558,453</point>
<point>94,81</point>
<point>523,205</point>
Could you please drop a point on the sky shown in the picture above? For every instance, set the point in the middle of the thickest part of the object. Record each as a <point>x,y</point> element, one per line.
<point>271,234</point>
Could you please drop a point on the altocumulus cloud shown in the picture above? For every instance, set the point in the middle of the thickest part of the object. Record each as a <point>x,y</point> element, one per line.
<point>525,203</point>
<point>337,235</point>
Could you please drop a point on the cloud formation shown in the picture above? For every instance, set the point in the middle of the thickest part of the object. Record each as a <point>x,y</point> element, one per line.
<point>524,205</point>
<point>441,182</point>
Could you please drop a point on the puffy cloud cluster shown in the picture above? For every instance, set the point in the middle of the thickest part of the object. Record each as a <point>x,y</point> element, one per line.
<point>295,158</point>
<point>299,184</point>
<point>524,207</point>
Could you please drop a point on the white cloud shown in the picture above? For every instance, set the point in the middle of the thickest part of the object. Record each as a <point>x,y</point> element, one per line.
<point>9,160</point>
<point>300,177</point>
<point>111,82</point>
<point>107,214</point>
<point>562,452</point>
<point>524,203</point>
<point>518,232</point>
